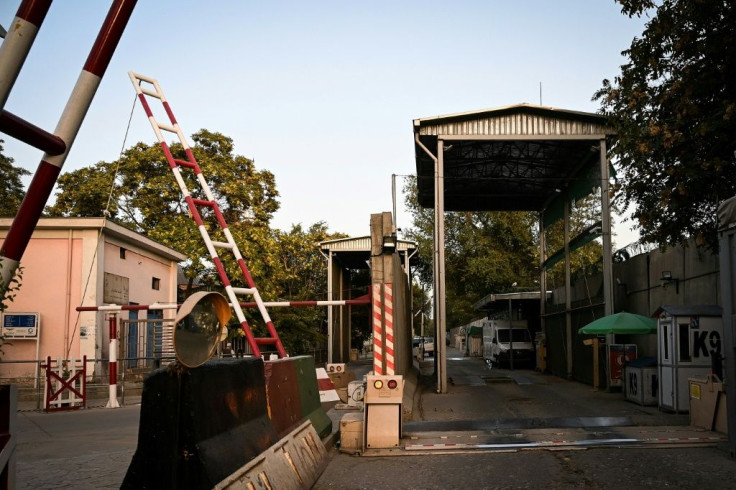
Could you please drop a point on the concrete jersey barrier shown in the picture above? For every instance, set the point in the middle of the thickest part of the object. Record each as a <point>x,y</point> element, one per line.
<point>311,407</point>
<point>199,426</point>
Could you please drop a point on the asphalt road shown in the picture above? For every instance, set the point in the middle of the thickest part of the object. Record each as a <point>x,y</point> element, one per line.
<point>80,449</point>
<point>93,448</point>
<point>479,397</point>
<point>684,468</point>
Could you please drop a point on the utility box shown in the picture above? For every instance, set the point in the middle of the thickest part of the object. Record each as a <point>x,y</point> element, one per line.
<point>641,382</point>
<point>351,432</point>
<point>382,411</point>
<point>356,394</point>
<point>688,339</point>
<point>708,406</point>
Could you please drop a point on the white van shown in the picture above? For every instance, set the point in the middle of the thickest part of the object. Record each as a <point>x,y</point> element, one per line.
<point>498,341</point>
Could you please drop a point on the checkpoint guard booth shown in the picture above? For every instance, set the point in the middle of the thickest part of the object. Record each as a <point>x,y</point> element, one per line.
<point>688,339</point>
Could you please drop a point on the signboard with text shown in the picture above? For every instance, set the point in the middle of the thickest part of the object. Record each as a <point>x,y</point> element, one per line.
<point>20,325</point>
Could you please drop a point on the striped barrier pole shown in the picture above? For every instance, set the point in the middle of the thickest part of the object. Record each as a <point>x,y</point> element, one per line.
<point>18,41</point>
<point>377,330</point>
<point>363,300</point>
<point>112,402</point>
<point>388,316</point>
<point>70,121</point>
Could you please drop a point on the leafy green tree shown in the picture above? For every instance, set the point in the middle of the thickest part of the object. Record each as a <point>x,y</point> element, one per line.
<point>484,252</point>
<point>286,266</point>
<point>11,195</point>
<point>301,275</point>
<point>587,258</point>
<point>674,109</point>
<point>11,187</point>
<point>146,198</point>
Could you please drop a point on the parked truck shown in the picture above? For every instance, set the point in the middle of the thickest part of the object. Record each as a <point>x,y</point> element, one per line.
<point>499,340</point>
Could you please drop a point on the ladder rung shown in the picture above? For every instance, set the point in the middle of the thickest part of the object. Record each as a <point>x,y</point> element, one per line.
<point>150,92</point>
<point>202,202</point>
<point>184,163</point>
<point>222,244</point>
<point>166,127</point>
<point>266,340</point>
<point>245,290</point>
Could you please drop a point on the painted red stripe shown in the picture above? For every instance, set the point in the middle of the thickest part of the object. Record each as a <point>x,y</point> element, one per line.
<point>221,271</point>
<point>194,211</point>
<point>34,11</point>
<point>109,36</point>
<point>30,211</point>
<point>190,157</point>
<point>113,373</point>
<point>21,129</point>
<point>169,113</point>
<point>146,107</point>
<point>219,216</point>
<point>167,153</point>
<point>325,384</point>
<point>246,273</point>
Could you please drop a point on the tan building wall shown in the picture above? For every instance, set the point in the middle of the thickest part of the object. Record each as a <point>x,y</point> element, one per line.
<point>61,272</point>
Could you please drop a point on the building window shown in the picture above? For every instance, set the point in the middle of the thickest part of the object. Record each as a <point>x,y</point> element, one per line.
<point>156,283</point>
<point>122,253</point>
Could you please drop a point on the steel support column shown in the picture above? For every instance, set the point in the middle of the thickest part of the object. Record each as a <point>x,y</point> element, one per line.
<point>606,231</point>
<point>330,316</point>
<point>542,272</point>
<point>568,289</point>
<point>440,356</point>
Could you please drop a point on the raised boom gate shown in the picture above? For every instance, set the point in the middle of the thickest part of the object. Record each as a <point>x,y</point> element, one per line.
<point>190,163</point>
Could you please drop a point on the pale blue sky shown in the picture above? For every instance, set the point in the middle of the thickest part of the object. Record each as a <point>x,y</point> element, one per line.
<point>323,93</point>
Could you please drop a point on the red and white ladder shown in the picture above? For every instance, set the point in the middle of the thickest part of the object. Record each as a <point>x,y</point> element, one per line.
<point>194,204</point>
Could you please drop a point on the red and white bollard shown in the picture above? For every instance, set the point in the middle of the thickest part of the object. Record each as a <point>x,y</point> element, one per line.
<point>112,402</point>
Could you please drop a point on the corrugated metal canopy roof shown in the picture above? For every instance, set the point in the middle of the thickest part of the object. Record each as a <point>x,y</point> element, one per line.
<point>518,157</point>
<point>355,252</point>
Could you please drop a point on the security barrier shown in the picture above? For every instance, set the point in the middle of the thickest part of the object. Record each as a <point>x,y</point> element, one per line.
<point>294,462</point>
<point>198,426</point>
<point>282,393</point>
<point>311,407</point>
<point>66,384</point>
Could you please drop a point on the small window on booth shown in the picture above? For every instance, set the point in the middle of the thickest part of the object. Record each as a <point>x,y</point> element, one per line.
<point>684,332</point>
<point>122,253</point>
<point>156,283</point>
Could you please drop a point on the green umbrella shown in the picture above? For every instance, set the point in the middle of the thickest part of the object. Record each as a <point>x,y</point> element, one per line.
<point>621,323</point>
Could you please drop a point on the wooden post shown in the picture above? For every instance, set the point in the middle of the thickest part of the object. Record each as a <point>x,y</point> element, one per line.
<point>596,376</point>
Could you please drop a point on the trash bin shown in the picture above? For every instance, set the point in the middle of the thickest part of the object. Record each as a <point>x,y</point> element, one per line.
<point>641,384</point>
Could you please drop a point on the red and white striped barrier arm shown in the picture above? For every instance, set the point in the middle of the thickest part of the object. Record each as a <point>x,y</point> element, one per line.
<point>363,300</point>
<point>70,121</point>
<point>377,330</point>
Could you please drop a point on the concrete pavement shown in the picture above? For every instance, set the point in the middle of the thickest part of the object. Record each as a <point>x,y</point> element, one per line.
<point>521,429</point>
<point>93,448</point>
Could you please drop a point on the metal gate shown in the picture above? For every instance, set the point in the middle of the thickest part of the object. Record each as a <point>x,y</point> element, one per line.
<point>146,343</point>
